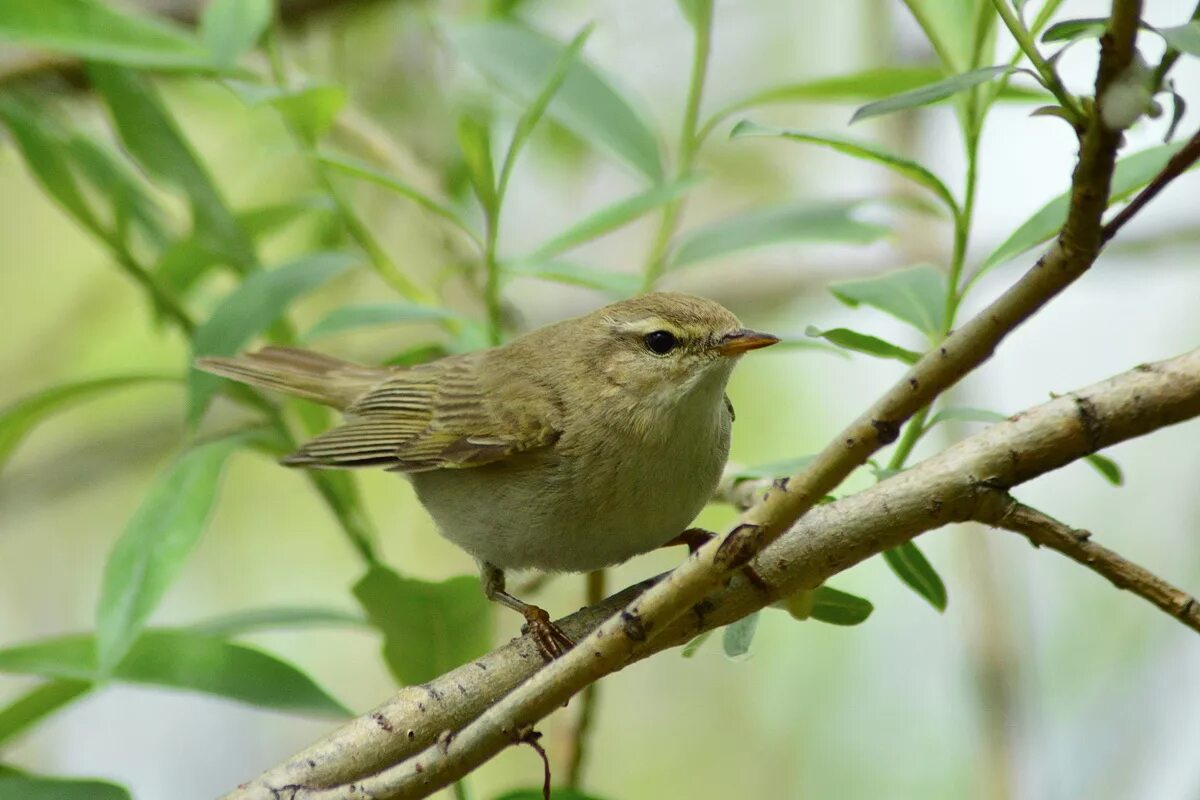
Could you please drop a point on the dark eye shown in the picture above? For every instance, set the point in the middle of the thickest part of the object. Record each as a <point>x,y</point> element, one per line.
<point>661,342</point>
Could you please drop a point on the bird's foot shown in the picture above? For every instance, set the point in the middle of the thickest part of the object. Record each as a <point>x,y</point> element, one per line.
<point>550,639</point>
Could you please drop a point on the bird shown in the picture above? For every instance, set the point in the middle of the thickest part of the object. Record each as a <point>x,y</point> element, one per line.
<point>573,447</point>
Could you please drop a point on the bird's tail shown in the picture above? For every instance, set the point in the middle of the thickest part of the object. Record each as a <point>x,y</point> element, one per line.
<point>297,372</point>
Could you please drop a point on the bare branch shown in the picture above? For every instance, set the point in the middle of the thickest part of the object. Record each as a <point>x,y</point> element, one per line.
<point>1180,163</point>
<point>1077,545</point>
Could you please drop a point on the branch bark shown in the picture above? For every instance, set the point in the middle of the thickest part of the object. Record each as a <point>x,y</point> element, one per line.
<point>969,480</point>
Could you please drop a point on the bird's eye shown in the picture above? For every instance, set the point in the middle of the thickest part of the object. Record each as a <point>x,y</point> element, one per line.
<point>661,342</point>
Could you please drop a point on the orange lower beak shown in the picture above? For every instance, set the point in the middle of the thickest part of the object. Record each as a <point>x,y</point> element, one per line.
<point>738,342</point>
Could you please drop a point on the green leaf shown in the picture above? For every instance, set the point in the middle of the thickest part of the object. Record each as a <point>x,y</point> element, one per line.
<point>611,217</point>
<point>617,284</point>
<point>181,659</point>
<point>950,27</point>
<point>930,93</point>
<point>826,222</point>
<point>418,354</point>
<point>18,419</point>
<point>868,151</point>
<point>428,628</point>
<point>774,469</point>
<point>250,309</point>
<point>839,608</point>
<point>916,295</point>
<point>22,786</point>
<point>361,169</point>
<point>151,136</point>
<point>349,318</point>
<point>690,649</point>
<point>231,28</point>
<point>98,32</point>
<point>308,110</point>
<point>518,59</point>
<point>131,205</point>
<point>475,141</point>
<point>1107,468</point>
<point>965,415</point>
<point>555,794</point>
<point>864,343</point>
<point>911,566</point>
<point>150,553</point>
<point>37,704</point>
<point>1070,29</point>
<point>1131,173</point>
<point>254,620</point>
<point>736,639</point>
<point>1184,38</point>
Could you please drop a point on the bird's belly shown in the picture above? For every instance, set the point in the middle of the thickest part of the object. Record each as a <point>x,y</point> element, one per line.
<point>554,513</point>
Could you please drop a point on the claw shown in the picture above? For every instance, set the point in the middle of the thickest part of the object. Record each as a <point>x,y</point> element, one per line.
<point>552,642</point>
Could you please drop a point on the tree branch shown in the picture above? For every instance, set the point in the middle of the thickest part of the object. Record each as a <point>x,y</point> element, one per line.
<point>1077,545</point>
<point>966,481</point>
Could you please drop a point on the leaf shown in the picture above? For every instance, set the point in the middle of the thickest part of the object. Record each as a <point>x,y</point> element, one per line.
<point>1131,173</point>
<point>361,169</point>
<point>95,31</point>
<point>835,607</point>
<point>911,566</point>
<point>428,628</point>
<point>475,141</point>
<point>150,553</point>
<point>690,649</point>
<point>231,28</point>
<point>131,204</point>
<point>1184,38</point>
<point>827,222</point>
<point>272,619</point>
<point>916,295</point>
<point>417,354</point>
<point>950,27</point>
<point>864,343</point>
<point>37,704</point>
<point>617,284</point>
<point>18,419</point>
<point>251,308</point>
<point>1070,29</point>
<point>151,136</point>
<point>965,415</point>
<point>349,318</point>
<point>518,58</point>
<point>22,786</point>
<point>797,343</point>
<point>738,635</point>
<point>774,469</point>
<point>866,151</point>
<point>1107,468</point>
<point>181,659</point>
<point>930,93</point>
<point>308,110</point>
<point>612,217</point>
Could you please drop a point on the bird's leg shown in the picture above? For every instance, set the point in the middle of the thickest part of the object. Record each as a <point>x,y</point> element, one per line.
<point>549,638</point>
<point>695,538</point>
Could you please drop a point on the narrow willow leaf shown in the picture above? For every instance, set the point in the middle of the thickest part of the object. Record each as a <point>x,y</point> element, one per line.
<point>617,284</point>
<point>916,295</point>
<point>97,31</point>
<point>1070,29</point>
<point>152,137</point>
<point>250,309</point>
<point>363,170</point>
<point>774,469</point>
<point>1107,468</point>
<point>736,639</point>
<point>308,110</point>
<point>428,628</point>
<point>864,343</point>
<point>418,354</point>
<point>690,649</point>
<point>911,566</point>
<point>150,553</point>
<point>827,222</point>
<point>181,659</point>
<point>612,217</point>
<point>931,93</point>
<point>1184,38</point>
<point>231,28</point>
<point>1132,173</point>
<point>965,415</point>
<point>518,59</point>
<point>798,343</point>
<point>37,704</point>
<point>255,620</point>
<point>132,207</point>
<point>867,151</point>
<point>18,419</point>
<point>349,318</point>
<point>839,608</point>
<point>475,141</point>
<point>22,786</point>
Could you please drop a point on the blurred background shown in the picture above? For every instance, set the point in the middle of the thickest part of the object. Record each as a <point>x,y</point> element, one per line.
<point>1039,680</point>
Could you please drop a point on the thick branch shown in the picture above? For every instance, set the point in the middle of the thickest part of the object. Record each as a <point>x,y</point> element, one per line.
<point>955,485</point>
<point>1077,545</point>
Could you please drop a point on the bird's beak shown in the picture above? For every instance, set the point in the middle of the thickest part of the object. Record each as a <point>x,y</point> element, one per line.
<point>738,342</point>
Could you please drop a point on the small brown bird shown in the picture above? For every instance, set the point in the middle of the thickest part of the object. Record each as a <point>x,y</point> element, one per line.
<point>571,448</point>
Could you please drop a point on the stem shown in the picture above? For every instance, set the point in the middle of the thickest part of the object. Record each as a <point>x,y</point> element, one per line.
<point>689,141</point>
<point>597,590</point>
<point>1049,77</point>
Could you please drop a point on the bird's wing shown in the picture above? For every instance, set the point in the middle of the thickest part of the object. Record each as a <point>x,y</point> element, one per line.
<point>435,416</point>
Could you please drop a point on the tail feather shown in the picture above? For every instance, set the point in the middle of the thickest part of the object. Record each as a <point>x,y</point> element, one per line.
<point>297,372</point>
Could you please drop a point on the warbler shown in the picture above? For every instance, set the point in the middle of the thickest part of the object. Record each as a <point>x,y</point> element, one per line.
<point>570,448</point>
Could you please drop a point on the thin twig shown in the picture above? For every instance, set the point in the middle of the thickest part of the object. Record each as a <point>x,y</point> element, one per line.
<point>1180,163</point>
<point>596,591</point>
